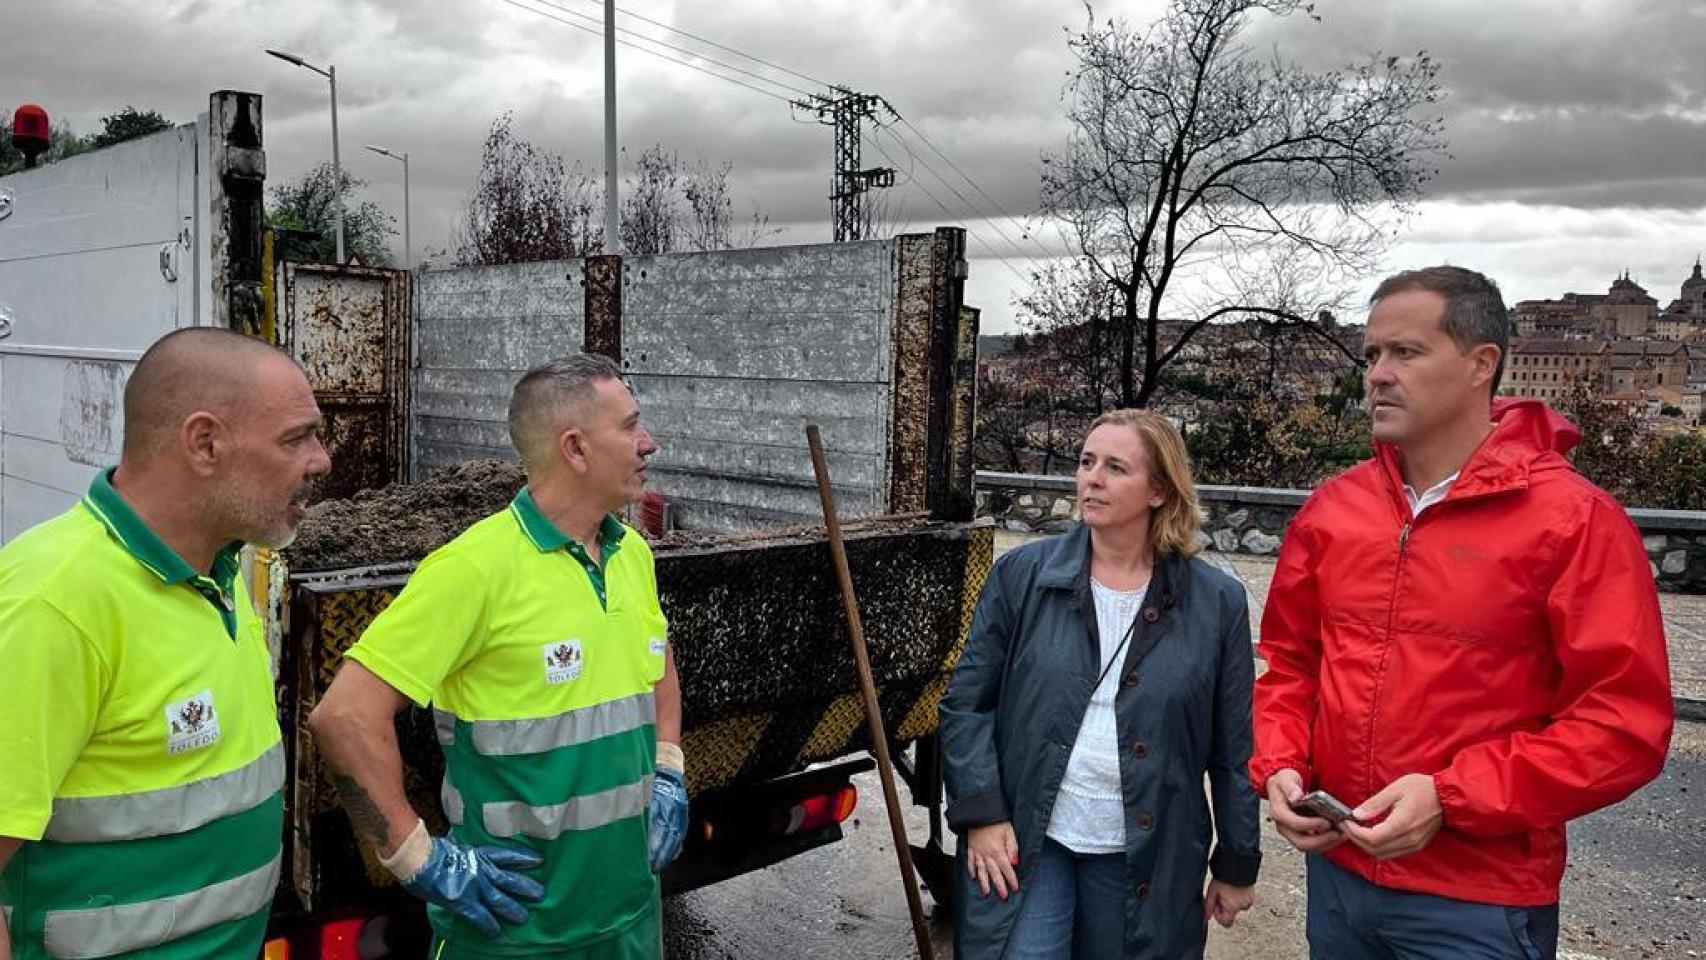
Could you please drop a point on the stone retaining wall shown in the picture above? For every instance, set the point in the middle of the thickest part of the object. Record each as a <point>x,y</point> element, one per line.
<point>1252,520</point>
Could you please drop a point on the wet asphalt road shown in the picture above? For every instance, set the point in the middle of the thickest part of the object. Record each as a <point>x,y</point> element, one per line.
<point>1635,888</point>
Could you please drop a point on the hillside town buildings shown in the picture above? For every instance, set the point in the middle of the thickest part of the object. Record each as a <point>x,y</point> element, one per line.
<point>1620,344</point>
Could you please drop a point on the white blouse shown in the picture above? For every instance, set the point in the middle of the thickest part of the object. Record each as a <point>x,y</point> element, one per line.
<point>1089,813</point>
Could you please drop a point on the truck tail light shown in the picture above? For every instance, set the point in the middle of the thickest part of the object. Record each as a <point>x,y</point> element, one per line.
<point>276,950</point>
<point>821,810</point>
<point>340,940</point>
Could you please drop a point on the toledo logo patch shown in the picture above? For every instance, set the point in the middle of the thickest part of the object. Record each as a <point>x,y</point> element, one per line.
<point>562,660</point>
<point>191,724</point>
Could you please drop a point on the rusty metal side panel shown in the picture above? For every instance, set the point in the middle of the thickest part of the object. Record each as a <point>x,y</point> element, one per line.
<point>603,334</point>
<point>910,405</point>
<point>962,425</point>
<point>947,294</point>
<point>349,328</point>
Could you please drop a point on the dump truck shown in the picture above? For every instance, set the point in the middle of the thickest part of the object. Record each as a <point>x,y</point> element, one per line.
<point>730,355</point>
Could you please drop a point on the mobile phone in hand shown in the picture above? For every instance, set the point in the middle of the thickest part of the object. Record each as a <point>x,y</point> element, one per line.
<point>1320,803</point>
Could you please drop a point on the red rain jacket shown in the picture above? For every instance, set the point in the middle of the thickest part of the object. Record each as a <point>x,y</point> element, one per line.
<point>1508,642</point>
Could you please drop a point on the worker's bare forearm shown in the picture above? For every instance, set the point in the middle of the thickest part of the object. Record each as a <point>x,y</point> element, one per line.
<point>669,700</point>
<point>355,733</point>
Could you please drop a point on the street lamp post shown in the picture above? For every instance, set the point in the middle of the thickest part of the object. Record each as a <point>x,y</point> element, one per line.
<point>612,222</point>
<point>331,74</point>
<point>408,259</point>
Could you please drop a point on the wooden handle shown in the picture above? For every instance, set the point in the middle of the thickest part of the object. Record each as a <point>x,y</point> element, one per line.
<point>868,689</point>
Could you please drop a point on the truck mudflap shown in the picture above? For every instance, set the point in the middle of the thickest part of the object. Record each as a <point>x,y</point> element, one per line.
<point>768,679</point>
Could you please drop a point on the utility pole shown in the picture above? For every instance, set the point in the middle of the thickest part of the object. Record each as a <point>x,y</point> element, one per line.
<point>612,219</point>
<point>847,110</point>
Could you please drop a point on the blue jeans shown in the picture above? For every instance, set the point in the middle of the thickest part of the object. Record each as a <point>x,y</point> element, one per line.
<point>1074,906</point>
<point>1352,919</point>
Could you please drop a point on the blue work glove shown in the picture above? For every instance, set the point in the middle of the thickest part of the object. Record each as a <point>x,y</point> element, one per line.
<point>477,883</point>
<point>666,816</point>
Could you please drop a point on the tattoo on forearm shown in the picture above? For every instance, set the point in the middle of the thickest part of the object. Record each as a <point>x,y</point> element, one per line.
<point>363,812</point>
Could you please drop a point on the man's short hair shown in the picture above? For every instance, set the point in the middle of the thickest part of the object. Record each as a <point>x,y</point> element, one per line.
<point>194,368</point>
<point>546,392</point>
<point>1474,308</point>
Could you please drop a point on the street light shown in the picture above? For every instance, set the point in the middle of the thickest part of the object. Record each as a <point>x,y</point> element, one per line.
<point>331,74</point>
<point>408,260</point>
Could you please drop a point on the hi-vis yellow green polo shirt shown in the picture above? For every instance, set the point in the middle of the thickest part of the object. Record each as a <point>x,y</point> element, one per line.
<point>540,666</point>
<point>139,745</point>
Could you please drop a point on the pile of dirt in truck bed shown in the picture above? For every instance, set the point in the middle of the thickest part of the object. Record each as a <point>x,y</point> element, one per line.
<point>403,522</point>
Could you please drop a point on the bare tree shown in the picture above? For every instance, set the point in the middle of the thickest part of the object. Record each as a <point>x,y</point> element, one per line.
<point>527,205</point>
<point>1204,182</point>
<point>710,210</point>
<point>652,217</point>
<point>675,205</point>
<point>1069,310</point>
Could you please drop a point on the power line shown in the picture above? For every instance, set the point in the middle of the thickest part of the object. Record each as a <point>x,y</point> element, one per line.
<point>993,218</point>
<point>950,214</point>
<point>993,222</point>
<point>670,46</point>
<point>739,53</point>
<point>951,164</point>
<point>691,66</point>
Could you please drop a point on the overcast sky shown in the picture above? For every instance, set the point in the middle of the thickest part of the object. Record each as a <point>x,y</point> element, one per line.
<point>1577,128</point>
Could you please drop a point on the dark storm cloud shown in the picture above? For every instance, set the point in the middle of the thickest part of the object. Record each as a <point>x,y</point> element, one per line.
<point>1579,104</point>
<point>1551,106</point>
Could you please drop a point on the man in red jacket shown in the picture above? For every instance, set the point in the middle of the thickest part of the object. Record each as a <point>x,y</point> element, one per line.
<point>1463,643</point>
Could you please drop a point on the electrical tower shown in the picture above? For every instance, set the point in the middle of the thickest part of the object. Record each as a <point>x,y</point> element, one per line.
<point>846,110</point>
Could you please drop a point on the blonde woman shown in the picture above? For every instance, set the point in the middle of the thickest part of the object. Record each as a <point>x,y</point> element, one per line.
<point>1108,671</point>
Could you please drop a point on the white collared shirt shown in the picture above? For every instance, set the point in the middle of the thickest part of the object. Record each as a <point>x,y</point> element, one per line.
<point>1089,810</point>
<point>1430,496</point>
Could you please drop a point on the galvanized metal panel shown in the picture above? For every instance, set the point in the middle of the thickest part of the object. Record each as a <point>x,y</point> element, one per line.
<point>477,330</point>
<point>780,463</point>
<point>482,434</point>
<point>441,441</point>
<point>818,347</point>
<point>732,353</point>
<point>500,343</point>
<point>830,292</point>
<point>758,264</point>
<point>742,410</point>
<point>721,504</point>
<point>479,395</point>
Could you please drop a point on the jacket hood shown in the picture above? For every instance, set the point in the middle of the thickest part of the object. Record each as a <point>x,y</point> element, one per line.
<point>1535,424</point>
<point>1527,435</point>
